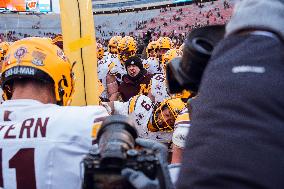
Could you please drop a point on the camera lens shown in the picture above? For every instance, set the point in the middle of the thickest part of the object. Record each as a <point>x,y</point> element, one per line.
<point>186,72</point>
<point>202,46</point>
<point>116,137</point>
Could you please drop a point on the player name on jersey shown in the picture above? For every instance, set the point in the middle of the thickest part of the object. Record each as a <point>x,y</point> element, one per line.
<point>29,128</point>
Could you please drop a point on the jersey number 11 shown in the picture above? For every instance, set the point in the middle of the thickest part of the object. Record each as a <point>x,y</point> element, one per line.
<point>23,163</point>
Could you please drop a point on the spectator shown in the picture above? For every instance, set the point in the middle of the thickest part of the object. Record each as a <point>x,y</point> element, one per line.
<point>236,135</point>
<point>136,81</point>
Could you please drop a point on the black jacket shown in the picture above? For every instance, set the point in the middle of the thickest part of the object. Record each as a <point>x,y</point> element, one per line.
<point>236,138</point>
<point>131,86</point>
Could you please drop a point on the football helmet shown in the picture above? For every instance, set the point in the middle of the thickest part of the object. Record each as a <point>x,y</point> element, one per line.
<point>113,44</point>
<point>184,95</point>
<point>171,54</point>
<point>58,40</point>
<point>154,45</point>
<point>4,46</point>
<point>126,48</point>
<point>175,106</point>
<point>165,43</point>
<point>100,51</point>
<point>38,58</point>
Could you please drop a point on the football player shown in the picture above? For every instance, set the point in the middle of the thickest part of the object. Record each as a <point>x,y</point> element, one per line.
<point>58,40</point>
<point>154,122</point>
<point>152,63</point>
<point>41,139</point>
<point>102,71</point>
<point>113,45</point>
<point>100,51</point>
<point>4,46</point>
<point>169,55</point>
<point>182,126</point>
<point>165,44</point>
<point>159,90</point>
<point>109,59</point>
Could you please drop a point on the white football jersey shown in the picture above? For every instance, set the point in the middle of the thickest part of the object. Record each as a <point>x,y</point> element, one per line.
<point>42,146</point>
<point>106,53</point>
<point>153,66</point>
<point>116,68</point>
<point>158,88</point>
<point>102,74</point>
<point>182,126</point>
<point>140,109</point>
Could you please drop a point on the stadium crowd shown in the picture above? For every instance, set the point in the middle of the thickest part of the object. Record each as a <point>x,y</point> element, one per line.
<point>175,20</point>
<point>227,135</point>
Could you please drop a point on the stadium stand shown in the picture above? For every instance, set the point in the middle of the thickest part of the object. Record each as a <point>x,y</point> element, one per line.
<point>178,20</point>
<point>109,24</point>
<point>22,25</point>
<point>111,4</point>
<point>165,21</point>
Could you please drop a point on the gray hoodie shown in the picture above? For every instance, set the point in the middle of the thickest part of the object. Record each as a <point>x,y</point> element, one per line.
<point>258,14</point>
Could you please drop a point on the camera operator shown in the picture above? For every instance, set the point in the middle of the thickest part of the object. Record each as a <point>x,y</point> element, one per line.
<point>236,136</point>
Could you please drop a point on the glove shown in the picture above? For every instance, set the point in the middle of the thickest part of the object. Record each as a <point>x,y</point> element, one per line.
<point>139,180</point>
<point>160,149</point>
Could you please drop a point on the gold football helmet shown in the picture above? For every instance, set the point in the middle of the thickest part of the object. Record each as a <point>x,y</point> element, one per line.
<point>100,51</point>
<point>4,46</point>
<point>58,40</point>
<point>165,43</point>
<point>171,54</point>
<point>151,49</point>
<point>126,48</point>
<point>184,95</point>
<point>113,44</point>
<point>175,106</point>
<point>38,58</point>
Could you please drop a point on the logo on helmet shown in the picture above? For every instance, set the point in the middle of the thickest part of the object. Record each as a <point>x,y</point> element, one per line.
<point>61,55</point>
<point>20,53</point>
<point>39,57</point>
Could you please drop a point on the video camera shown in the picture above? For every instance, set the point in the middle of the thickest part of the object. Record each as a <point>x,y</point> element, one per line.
<point>186,72</point>
<point>116,151</point>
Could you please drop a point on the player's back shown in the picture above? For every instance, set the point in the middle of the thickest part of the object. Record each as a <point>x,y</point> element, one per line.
<point>41,146</point>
